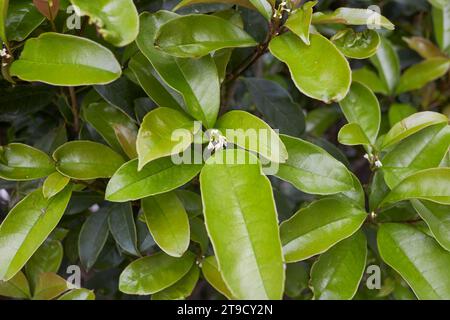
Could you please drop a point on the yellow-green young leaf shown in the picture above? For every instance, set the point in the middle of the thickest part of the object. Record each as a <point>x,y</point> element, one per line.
<point>117,20</point>
<point>423,150</point>
<point>352,134</point>
<point>353,16</point>
<point>387,63</point>
<point>357,45</point>
<point>187,37</point>
<point>49,286</point>
<point>211,272</point>
<point>242,224</point>
<point>411,125</point>
<point>3,14</point>
<point>159,176</point>
<point>22,19</point>
<point>313,170</point>
<point>430,184</point>
<point>78,294</point>
<point>337,273</point>
<point>108,121</point>
<point>47,258</point>
<point>299,22</point>
<point>316,228</point>
<point>197,80</point>
<point>56,59</point>
<point>324,73</point>
<point>20,162</point>
<point>424,47</point>
<point>164,132</point>
<point>17,287</point>
<point>370,79</point>
<point>420,74</point>
<point>54,184</point>
<point>437,217</point>
<point>441,22</point>
<point>168,223</point>
<point>399,111</point>
<point>86,160</point>
<point>154,273</point>
<point>250,132</point>
<point>123,228</point>
<point>19,240</point>
<point>181,289</point>
<point>361,106</point>
<point>418,258</point>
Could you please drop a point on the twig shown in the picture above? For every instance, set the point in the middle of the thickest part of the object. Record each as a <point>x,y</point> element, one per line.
<point>74,107</point>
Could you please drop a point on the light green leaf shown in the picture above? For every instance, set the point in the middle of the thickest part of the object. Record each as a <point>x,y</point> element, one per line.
<point>430,184</point>
<point>49,286</point>
<point>154,273</point>
<point>22,19</point>
<point>17,287</point>
<point>86,160</point>
<point>55,59</point>
<point>54,184</point>
<point>411,125</point>
<point>168,223</point>
<point>352,134</point>
<point>18,240</point>
<point>399,111</point>
<point>299,21</point>
<point>3,14</point>
<point>181,289</point>
<point>418,258</point>
<point>117,20</point>
<point>357,45</point>
<point>387,63</point>
<point>370,79</point>
<point>316,228</point>
<point>338,272</point>
<point>210,270</point>
<point>250,132</point>
<point>20,162</point>
<point>441,22</point>
<point>330,77</point>
<point>264,7</point>
<point>123,228</point>
<point>78,294</point>
<point>242,225</point>
<point>420,74</point>
<point>159,176</point>
<point>313,170</point>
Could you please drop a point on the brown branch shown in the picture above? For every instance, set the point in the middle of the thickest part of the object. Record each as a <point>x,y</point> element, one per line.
<point>74,107</point>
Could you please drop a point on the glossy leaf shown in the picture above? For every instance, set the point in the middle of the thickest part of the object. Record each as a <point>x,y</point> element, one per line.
<point>154,273</point>
<point>441,23</point>
<point>23,18</point>
<point>3,14</point>
<point>370,79</point>
<point>387,63</point>
<point>20,162</point>
<point>337,272</point>
<point>181,289</point>
<point>418,259</point>
<point>18,241</point>
<point>86,160</point>
<point>122,227</point>
<point>78,294</point>
<point>424,47</point>
<point>54,184</point>
<point>211,272</point>
<point>352,134</point>
<point>168,223</point>
<point>299,21</point>
<point>399,111</point>
<point>357,45</point>
<point>316,228</point>
<point>17,287</point>
<point>329,80</point>
<point>352,16</point>
<point>49,286</point>
<point>244,3</point>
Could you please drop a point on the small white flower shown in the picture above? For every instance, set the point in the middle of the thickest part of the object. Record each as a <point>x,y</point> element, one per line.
<point>4,64</point>
<point>378,164</point>
<point>216,140</point>
<point>3,53</point>
<point>366,156</point>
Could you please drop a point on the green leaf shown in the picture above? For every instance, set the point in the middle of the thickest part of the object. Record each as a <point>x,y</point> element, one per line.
<point>86,160</point>
<point>181,289</point>
<point>299,21</point>
<point>123,228</point>
<point>387,63</point>
<point>196,80</point>
<point>430,184</point>
<point>313,170</point>
<point>352,134</point>
<point>423,150</point>
<point>370,79</point>
<point>352,16</point>
<point>159,176</point>
<point>297,279</point>
<point>164,132</point>
<point>20,162</point>
<point>55,59</point>
<point>411,125</point>
<point>17,287</point>
<point>93,236</point>
<point>117,20</point>
<point>250,132</point>
<point>418,259</point>
<point>420,74</point>
<point>49,286</point>
<point>400,111</point>
<point>361,107</point>
<point>264,7</point>
<point>441,22</point>
<point>357,45</point>
<point>338,272</point>
<point>424,47</point>
<point>329,80</point>
<point>242,225</point>
<point>168,223</point>
<point>210,270</point>
<point>18,240</point>
<point>22,19</point>
<point>78,294</point>
<point>187,37</point>
<point>54,184</point>
<point>154,273</point>
<point>3,15</point>
<point>199,233</point>
<point>316,228</point>
<point>277,106</point>
<point>192,202</point>
<point>244,3</point>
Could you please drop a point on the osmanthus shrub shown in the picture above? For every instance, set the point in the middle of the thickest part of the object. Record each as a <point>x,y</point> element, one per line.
<point>247,149</point>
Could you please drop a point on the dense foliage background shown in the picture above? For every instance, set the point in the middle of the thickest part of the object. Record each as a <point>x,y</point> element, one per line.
<point>88,106</point>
